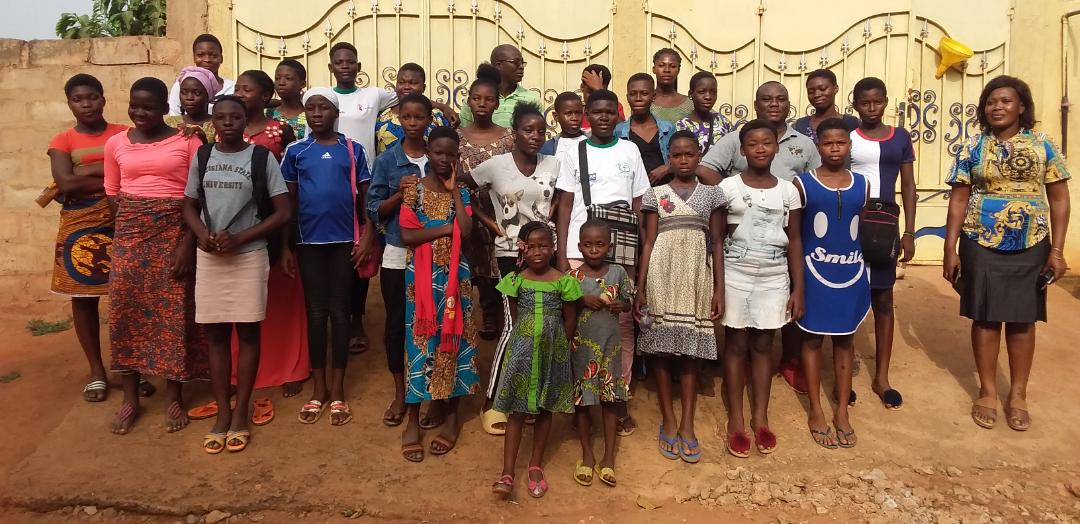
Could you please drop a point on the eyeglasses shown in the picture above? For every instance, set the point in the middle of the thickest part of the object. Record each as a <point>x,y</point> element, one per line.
<point>515,62</point>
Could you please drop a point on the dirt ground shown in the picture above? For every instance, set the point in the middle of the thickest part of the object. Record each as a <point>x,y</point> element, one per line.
<point>925,463</point>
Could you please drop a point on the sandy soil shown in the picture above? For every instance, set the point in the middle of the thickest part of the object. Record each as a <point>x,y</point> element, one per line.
<point>927,462</point>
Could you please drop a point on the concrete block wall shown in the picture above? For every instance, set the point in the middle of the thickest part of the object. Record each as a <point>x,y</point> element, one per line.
<point>32,76</point>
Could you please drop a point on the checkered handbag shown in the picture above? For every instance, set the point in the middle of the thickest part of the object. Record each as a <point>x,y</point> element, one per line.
<point>620,217</point>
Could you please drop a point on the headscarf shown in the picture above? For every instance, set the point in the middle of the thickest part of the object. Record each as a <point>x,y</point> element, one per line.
<point>205,77</point>
<point>324,92</point>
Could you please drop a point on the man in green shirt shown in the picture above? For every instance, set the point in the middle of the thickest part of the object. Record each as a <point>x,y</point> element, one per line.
<point>511,65</point>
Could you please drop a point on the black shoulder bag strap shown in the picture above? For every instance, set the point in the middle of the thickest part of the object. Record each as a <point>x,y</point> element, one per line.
<point>260,186</point>
<point>583,167</point>
<point>203,157</point>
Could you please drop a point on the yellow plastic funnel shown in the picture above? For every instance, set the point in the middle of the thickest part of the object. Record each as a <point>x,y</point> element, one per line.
<point>952,53</point>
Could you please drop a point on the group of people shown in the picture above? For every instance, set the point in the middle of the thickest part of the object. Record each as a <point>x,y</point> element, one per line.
<point>235,226</point>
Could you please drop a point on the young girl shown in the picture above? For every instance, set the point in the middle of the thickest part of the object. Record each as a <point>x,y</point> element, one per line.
<point>327,176</point>
<point>289,80</point>
<point>837,284</point>
<point>232,265</point>
<point>670,104</point>
<point>440,340</point>
<point>596,354</point>
<point>884,155</point>
<point>153,256</point>
<point>763,278</point>
<point>399,168</point>
<point>196,85</point>
<point>707,125</point>
<point>536,376</point>
<point>284,360</point>
<point>684,294</point>
<point>86,220</point>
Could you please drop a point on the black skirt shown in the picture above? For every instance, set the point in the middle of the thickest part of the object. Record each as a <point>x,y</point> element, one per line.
<point>997,286</point>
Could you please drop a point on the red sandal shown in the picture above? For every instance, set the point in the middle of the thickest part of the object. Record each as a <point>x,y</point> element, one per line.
<point>503,487</point>
<point>537,488</point>
<point>765,440</point>
<point>738,444</point>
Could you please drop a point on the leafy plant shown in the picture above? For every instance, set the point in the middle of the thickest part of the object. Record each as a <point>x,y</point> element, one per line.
<point>115,18</point>
<point>39,327</point>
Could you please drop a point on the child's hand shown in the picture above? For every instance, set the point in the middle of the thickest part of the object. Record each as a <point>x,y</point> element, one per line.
<point>659,172</point>
<point>451,183</point>
<point>225,242</point>
<point>796,306</point>
<point>360,254</point>
<point>717,306</point>
<point>617,306</point>
<point>288,262</point>
<point>407,182</point>
<point>593,302</point>
<point>205,241</point>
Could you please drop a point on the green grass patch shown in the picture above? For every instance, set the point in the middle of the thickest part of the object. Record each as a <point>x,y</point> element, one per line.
<point>38,327</point>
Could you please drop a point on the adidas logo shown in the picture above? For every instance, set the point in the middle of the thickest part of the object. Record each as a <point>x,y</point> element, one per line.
<point>326,156</point>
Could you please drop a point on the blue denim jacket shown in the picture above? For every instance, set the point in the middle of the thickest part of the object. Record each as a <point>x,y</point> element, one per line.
<point>664,128</point>
<point>385,181</point>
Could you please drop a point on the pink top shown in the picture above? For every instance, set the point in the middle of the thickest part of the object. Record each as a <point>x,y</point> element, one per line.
<point>157,170</point>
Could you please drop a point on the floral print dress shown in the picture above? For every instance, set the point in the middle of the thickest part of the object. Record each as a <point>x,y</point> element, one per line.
<point>596,357</point>
<point>536,374</point>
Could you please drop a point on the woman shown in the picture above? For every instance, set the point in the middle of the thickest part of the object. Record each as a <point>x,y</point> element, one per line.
<point>521,184</point>
<point>153,256</point>
<point>669,105</point>
<point>480,141</point>
<point>81,270</point>
<point>196,84</point>
<point>1009,210</point>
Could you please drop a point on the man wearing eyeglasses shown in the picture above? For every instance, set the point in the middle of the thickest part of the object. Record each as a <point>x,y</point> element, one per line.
<point>511,65</point>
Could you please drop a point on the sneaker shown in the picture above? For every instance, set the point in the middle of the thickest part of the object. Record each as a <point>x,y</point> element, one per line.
<point>792,372</point>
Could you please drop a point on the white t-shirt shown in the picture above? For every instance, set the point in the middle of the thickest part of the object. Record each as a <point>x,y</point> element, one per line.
<point>616,174</point>
<point>227,88</point>
<point>563,144</point>
<point>517,198</point>
<point>359,110</point>
<point>394,257</point>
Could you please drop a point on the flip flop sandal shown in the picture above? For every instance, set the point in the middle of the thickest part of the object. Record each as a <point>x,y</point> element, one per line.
<point>844,438</point>
<point>447,445</point>
<point>93,387</point>
<point>537,488</point>
<point>686,445</point>
<point>313,407</point>
<point>127,413</point>
<point>263,413</point>
<point>765,440</point>
<point>146,389</point>
<point>489,418</point>
<point>738,444</point>
<point>621,428</point>
<point>891,399</point>
<point>358,344</point>
<point>985,403</point>
<point>607,475</point>
<point>338,407</point>
<point>582,474</point>
<point>673,442</point>
<point>214,438</point>
<point>391,419</point>
<point>243,437</point>
<point>1012,418</point>
<point>412,452</point>
<point>827,433</point>
<point>205,411</point>
<point>175,413</point>
<point>503,487</point>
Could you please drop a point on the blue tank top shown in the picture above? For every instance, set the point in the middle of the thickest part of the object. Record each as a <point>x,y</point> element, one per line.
<point>837,286</point>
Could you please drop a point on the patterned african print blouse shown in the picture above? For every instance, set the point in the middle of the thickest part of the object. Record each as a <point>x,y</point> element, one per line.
<point>707,133</point>
<point>388,128</point>
<point>1008,210</point>
<point>298,123</point>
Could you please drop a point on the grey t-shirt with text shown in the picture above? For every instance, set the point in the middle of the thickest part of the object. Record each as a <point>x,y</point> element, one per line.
<point>228,189</point>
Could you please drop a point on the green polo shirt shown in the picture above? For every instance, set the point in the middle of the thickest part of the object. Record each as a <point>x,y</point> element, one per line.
<point>505,111</point>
